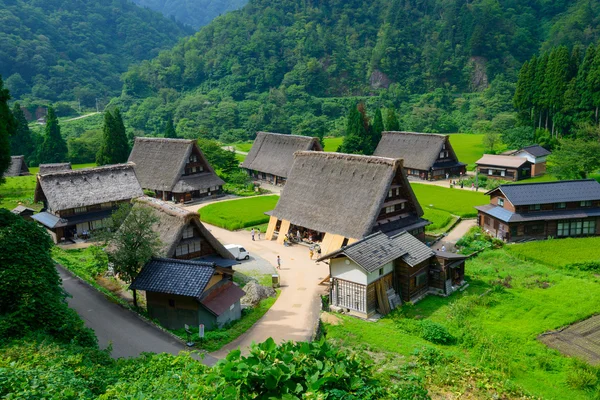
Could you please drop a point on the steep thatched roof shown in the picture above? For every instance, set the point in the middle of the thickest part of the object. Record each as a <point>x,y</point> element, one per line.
<point>418,150</point>
<point>171,222</point>
<point>339,193</point>
<point>17,167</point>
<point>57,167</point>
<point>160,165</point>
<point>273,153</point>
<point>88,186</point>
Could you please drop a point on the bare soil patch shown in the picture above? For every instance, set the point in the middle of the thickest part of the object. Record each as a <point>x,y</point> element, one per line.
<point>581,340</point>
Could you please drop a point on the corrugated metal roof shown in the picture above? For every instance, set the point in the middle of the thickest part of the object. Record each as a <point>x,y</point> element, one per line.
<point>551,192</point>
<point>501,161</point>
<point>378,249</point>
<point>507,216</point>
<point>167,275</point>
<point>46,219</point>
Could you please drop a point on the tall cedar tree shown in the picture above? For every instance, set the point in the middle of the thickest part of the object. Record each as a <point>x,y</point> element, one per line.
<point>54,147</point>
<point>356,140</point>
<point>21,143</point>
<point>115,147</point>
<point>376,129</point>
<point>593,80</point>
<point>7,129</point>
<point>170,129</point>
<point>391,121</point>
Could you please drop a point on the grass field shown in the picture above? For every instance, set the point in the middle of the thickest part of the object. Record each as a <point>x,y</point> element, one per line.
<point>332,143</point>
<point>20,189</point>
<point>573,252</point>
<point>455,201</point>
<point>494,325</point>
<point>468,147</point>
<point>441,220</point>
<point>239,214</point>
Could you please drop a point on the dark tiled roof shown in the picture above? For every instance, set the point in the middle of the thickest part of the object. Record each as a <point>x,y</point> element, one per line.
<point>551,192</point>
<point>219,298</point>
<point>507,216</point>
<point>449,256</point>
<point>166,275</point>
<point>536,150</point>
<point>378,249</point>
<point>22,210</point>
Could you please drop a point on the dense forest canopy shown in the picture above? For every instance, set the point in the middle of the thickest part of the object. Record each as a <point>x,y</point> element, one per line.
<point>68,50</point>
<point>282,65</point>
<point>195,13</point>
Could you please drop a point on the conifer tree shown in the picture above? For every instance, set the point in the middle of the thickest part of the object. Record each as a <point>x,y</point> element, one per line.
<point>354,141</point>
<point>593,81</point>
<point>539,94</point>
<point>54,147</point>
<point>7,128</point>
<point>391,122</point>
<point>21,143</point>
<point>170,129</point>
<point>106,153</point>
<point>376,129</point>
<point>522,98</point>
<point>121,140</point>
<point>582,85</point>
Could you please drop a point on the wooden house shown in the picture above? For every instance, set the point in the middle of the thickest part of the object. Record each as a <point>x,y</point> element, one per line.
<point>174,169</point>
<point>17,167</point>
<point>79,201</point>
<point>272,154</point>
<point>180,292</point>
<point>536,155</point>
<point>426,156</point>
<point>337,199</point>
<point>504,167</point>
<point>182,234</point>
<point>541,210</point>
<point>56,167</point>
<point>24,212</point>
<point>372,275</point>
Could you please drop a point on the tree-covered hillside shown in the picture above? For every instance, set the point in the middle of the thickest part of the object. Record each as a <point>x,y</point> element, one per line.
<point>271,65</point>
<point>67,50</point>
<point>195,13</point>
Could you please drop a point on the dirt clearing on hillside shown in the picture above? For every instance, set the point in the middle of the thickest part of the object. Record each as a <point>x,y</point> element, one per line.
<point>581,340</point>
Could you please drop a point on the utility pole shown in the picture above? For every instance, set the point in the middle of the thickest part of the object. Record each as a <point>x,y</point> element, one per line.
<point>97,105</point>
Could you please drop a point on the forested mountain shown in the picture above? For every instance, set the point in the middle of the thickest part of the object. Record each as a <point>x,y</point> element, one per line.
<point>195,13</point>
<point>67,50</point>
<point>293,66</point>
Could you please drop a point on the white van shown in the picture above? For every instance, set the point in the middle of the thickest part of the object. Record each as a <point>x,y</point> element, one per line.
<point>238,251</point>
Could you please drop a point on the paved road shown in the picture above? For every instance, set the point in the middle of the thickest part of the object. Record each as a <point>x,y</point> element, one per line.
<point>130,336</point>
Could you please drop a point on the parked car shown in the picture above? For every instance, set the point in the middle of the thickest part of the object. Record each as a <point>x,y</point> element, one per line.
<point>238,251</point>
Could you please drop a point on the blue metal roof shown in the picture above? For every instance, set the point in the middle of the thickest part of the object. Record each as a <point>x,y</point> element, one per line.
<point>551,192</point>
<point>507,216</point>
<point>48,220</point>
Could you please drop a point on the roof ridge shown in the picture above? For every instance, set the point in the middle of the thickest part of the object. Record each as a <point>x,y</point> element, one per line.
<point>84,171</point>
<point>159,139</point>
<point>186,262</point>
<point>416,133</point>
<point>547,183</point>
<point>289,135</point>
<point>351,157</point>
<point>166,207</point>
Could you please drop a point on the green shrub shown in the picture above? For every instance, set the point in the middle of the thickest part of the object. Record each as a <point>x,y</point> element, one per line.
<point>582,376</point>
<point>435,333</point>
<point>475,240</point>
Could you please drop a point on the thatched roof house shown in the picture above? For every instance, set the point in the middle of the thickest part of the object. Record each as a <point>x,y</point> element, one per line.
<point>56,167</point>
<point>175,169</point>
<point>426,155</point>
<point>346,197</point>
<point>17,167</point>
<point>272,155</point>
<point>182,234</point>
<point>77,201</point>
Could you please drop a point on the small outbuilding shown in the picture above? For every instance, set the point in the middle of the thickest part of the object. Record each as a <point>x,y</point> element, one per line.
<point>504,167</point>
<point>24,212</point>
<point>55,167</point>
<point>180,292</point>
<point>427,156</point>
<point>174,169</point>
<point>17,167</point>
<point>536,155</point>
<point>272,154</point>
<point>377,273</point>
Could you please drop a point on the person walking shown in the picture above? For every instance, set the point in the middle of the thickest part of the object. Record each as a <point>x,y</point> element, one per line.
<point>462,184</point>
<point>472,186</point>
<point>258,233</point>
<point>252,234</point>
<point>310,253</point>
<point>278,262</point>
<point>443,247</point>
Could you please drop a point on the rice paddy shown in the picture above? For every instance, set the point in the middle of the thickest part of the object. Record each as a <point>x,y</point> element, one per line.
<point>239,214</point>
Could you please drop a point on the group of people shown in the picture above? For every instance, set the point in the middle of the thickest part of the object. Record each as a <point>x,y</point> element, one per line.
<point>254,232</point>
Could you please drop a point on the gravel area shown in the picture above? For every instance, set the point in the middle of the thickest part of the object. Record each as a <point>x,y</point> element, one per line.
<point>256,267</point>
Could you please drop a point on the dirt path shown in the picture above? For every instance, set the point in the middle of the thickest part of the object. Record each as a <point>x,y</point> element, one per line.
<point>295,313</point>
<point>80,117</point>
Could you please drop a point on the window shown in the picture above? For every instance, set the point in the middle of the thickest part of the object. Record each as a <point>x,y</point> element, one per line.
<point>490,171</point>
<point>242,250</point>
<point>560,205</point>
<point>193,158</point>
<point>502,173</point>
<point>444,146</point>
<point>501,202</point>
<point>181,250</point>
<point>421,279</point>
<point>534,207</point>
<point>389,210</point>
<point>562,229</point>
<point>80,210</point>
<point>585,203</point>
<point>231,307</point>
<point>188,232</point>
<point>442,154</point>
<point>487,220</point>
<point>402,206</point>
<point>576,228</point>
<point>589,227</point>
<point>380,271</point>
<point>194,246</point>
<point>390,193</point>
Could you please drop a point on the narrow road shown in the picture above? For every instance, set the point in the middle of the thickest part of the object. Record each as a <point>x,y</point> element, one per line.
<point>130,336</point>
<point>231,148</point>
<point>80,117</point>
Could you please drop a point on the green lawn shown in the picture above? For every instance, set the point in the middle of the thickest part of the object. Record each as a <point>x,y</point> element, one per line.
<point>455,201</point>
<point>20,189</point>
<point>332,143</point>
<point>239,214</point>
<point>468,147</point>
<point>495,323</point>
<point>572,252</point>
<point>243,146</point>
